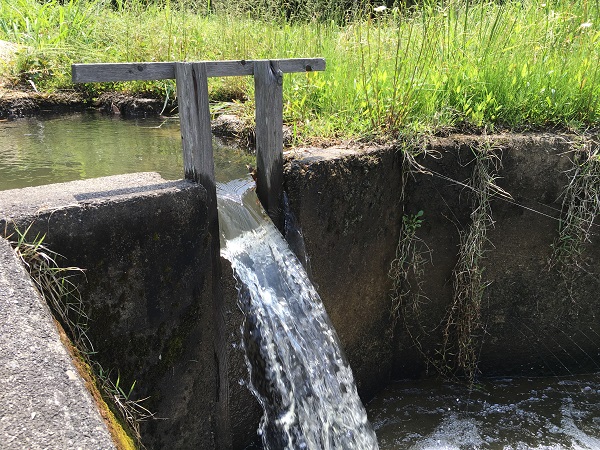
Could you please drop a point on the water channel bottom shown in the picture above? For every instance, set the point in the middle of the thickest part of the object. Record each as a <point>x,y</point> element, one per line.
<point>297,370</point>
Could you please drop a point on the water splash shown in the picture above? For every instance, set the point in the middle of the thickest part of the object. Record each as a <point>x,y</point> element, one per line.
<point>297,370</point>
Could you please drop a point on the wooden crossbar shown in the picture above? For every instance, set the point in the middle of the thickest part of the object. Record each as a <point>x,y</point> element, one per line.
<point>101,72</point>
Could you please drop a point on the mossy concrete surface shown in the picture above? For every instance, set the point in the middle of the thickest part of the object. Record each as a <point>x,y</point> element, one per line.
<point>144,246</point>
<point>44,400</point>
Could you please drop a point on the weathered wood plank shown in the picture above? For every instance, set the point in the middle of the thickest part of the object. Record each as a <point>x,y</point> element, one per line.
<point>194,117</point>
<point>242,67</point>
<point>268,87</point>
<point>103,72</point>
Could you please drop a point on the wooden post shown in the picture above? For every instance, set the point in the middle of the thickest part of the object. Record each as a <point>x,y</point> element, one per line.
<point>194,116</point>
<point>198,160</point>
<point>268,85</point>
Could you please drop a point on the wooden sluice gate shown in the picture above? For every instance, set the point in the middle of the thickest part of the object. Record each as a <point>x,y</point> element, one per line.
<point>193,99</point>
<point>194,114</point>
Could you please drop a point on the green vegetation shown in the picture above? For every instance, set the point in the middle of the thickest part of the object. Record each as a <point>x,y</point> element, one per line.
<point>436,64</point>
<point>580,207</point>
<point>55,285</point>
<point>407,270</point>
<point>54,282</point>
<point>408,263</point>
<point>463,328</point>
<point>408,273</point>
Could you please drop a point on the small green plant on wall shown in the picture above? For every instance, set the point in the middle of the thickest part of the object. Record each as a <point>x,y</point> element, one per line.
<point>408,262</point>
<point>407,270</point>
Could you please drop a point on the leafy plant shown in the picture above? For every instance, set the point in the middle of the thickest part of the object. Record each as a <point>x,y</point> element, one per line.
<point>407,270</point>
<point>407,265</point>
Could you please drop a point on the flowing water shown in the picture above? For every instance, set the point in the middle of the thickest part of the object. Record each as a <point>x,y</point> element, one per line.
<point>506,414</point>
<point>297,369</point>
<point>545,413</point>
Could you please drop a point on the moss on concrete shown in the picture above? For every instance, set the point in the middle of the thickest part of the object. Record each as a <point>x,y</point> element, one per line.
<point>122,436</point>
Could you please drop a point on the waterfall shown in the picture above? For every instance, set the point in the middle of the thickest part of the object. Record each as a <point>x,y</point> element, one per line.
<point>297,370</point>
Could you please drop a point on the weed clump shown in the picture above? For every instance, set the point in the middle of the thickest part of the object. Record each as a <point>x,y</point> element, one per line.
<point>407,270</point>
<point>463,328</point>
<point>580,208</point>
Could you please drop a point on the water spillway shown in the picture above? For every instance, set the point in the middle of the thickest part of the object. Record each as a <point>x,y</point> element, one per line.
<point>297,369</point>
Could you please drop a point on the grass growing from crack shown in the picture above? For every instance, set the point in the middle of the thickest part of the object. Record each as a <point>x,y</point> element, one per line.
<point>56,287</point>
<point>580,208</point>
<point>463,329</point>
<point>54,283</point>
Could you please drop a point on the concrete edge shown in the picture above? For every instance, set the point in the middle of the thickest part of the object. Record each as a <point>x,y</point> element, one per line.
<point>45,403</point>
<point>37,200</point>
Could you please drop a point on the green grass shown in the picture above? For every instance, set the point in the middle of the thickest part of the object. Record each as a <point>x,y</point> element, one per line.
<point>513,64</point>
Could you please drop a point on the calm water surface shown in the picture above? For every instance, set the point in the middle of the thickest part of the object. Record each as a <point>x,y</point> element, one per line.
<point>37,151</point>
<point>555,413</point>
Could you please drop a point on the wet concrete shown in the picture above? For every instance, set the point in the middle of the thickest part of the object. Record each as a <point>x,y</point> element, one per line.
<point>348,204</point>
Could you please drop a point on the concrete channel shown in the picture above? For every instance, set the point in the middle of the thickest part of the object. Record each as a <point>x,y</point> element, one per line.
<point>144,245</point>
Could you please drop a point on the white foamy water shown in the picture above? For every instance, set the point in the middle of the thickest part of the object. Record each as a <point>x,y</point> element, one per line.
<point>297,370</point>
<point>501,414</point>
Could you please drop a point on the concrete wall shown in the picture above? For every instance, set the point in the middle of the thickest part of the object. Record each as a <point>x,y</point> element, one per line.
<point>144,246</point>
<point>348,204</point>
<point>531,325</point>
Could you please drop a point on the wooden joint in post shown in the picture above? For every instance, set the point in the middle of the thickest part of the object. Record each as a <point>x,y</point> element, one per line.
<point>276,71</point>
